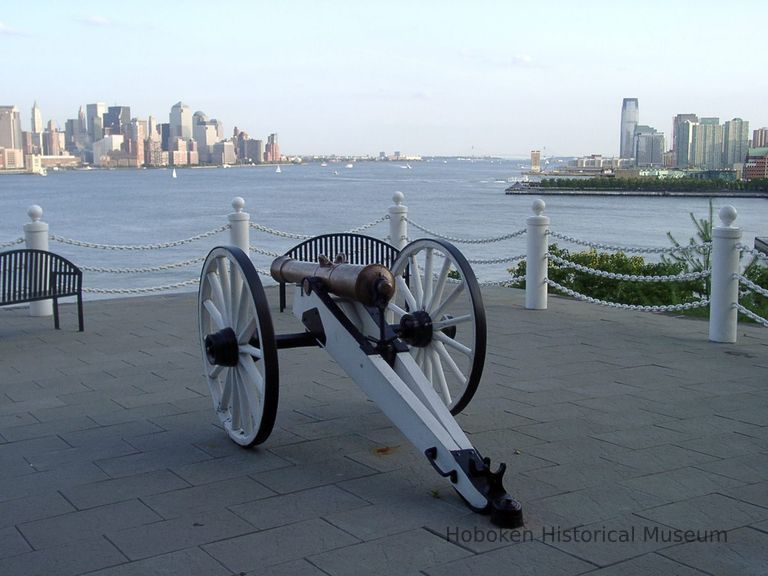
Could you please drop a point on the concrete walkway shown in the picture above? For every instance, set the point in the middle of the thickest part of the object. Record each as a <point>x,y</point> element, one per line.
<point>633,443</point>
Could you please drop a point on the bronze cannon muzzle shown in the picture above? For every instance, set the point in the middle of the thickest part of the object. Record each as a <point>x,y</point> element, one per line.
<point>371,285</point>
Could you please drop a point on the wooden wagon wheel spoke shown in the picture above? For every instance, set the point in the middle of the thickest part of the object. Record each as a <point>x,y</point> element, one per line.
<point>440,310</point>
<point>239,348</point>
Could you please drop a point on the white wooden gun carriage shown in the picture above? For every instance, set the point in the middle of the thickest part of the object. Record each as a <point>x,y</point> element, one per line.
<point>412,336</point>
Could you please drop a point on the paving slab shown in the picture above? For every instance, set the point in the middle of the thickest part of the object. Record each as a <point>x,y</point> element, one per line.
<point>114,462</point>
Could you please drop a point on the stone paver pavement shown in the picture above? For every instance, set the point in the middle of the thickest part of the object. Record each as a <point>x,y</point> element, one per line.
<point>636,447</point>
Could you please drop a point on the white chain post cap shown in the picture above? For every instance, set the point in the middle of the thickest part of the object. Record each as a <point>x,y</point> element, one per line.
<point>398,198</point>
<point>727,215</point>
<point>238,203</point>
<point>538,206</point>
<point>35,212</point>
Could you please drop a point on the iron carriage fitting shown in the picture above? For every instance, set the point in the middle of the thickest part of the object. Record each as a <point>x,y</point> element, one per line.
<point>412,336</point>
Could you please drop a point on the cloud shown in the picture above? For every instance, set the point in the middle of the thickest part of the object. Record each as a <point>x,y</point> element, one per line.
<point>95,20</point>
<point>8,31</point>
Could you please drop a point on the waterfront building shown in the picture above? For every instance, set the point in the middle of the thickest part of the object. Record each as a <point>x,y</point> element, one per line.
<point>707,144</point>
<point>535,161</point>
<point>224,152</point>
<point>134,142</point>
<point>54,142</point>
<point>11,159</point>
<point>272,150</point>
<point>735,141</point>
<point>102,149</point>
<point>756,163</point>
<point>95,116</point>
<point>760,138</point>
<point>180,121</point>
<point>10,128</point>
<point>630,116</point>
<point>178,152</point>
<point>37,119</point>
<point>116,119</point>
<point>205,133</point>
<point>648,147</point>
<point>682,136</point>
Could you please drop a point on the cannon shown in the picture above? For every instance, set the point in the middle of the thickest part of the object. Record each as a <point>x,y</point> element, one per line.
<point>412,336</point>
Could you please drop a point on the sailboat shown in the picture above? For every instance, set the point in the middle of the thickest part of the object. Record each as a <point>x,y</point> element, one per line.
<point>173,174</point>
<point>278,171</point>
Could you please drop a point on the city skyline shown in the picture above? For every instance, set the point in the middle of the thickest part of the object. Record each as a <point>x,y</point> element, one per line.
<point>430,78</point>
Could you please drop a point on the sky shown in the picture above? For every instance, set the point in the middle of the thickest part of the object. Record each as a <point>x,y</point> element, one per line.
<point>429,77</point>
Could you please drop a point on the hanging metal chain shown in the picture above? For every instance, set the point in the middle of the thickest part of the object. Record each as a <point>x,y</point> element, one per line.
<point>683,277</point>
<point>754,252</point>
<point>142,290</point>
<point>278,233</point>
<point>11,243</point>
<point>667,308</point>
<point>631,249</point>
<point>748,283</point>
<point>160,268</point>
<point>464,240</point>
<point>509,283</point>
<point>369,225</point>
<point>263,252</point>
<point>749,314</point>
<point>503,260</point>
<point>159,246</point>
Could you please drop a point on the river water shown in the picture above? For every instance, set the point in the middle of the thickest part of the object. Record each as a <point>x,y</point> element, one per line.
<point>458,198</point>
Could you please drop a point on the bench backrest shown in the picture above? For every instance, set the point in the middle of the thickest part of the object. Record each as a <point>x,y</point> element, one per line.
<point>357,248</point>
<point>27,275</point>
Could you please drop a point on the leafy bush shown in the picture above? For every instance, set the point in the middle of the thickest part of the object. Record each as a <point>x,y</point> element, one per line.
<point>621,291</point>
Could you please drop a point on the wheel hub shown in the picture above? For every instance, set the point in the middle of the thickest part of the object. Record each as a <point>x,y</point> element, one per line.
<point>416,328</point>
<point>221,348</point>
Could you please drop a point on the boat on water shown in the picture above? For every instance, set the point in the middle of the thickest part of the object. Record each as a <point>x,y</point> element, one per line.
<point>173,174</point>
<point>277,170</point>
<point>350,165</point>
<point>324,164</point>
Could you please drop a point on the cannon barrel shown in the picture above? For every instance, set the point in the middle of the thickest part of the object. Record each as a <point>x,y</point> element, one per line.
<point>371,285</point>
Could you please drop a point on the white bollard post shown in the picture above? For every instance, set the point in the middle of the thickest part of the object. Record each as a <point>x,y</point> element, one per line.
<point>36,237</point>
<point>398,222</point>
<point>239,226</point>
<point>724,286</point>
<point>536,258</point>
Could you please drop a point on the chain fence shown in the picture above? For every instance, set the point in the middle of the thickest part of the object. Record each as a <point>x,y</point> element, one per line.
<point>11,243</point>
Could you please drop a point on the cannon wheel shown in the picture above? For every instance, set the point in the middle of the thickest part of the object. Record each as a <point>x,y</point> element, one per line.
<point>238,343</point>
<point>434,278</point>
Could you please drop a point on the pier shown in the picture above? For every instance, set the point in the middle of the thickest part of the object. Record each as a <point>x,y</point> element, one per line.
<point>612,422</point>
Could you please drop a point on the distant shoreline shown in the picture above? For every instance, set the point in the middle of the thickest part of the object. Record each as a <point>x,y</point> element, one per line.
<point>541,191</point>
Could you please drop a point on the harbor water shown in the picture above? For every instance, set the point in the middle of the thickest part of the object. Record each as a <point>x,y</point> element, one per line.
<point>458,198</point>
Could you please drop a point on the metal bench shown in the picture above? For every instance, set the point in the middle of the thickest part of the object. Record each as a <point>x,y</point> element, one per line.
<point>357,248</point>
<point>32,275</point>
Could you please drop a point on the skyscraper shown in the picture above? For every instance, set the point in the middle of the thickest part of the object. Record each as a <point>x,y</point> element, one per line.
<point>648,147</point>
<point>272,151</point>
<point>10,128</point>
<point>707,144</point>
<point>682,135</point>
<point>630,116</point>
<point>180,120</point>
<point>535,160</point>
<point>95,115</point>
<point>735,141</point>
<point>760,138</point>
<point>117,119</point>
<point>37,119</point>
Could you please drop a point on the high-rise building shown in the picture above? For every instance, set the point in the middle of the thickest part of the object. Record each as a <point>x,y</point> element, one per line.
<point>760,138</point>
<point>535,160</point>
<point>735,141</point>
<point>10,128</point>
<point>180,120</point>
<point>707,144</point>
<point>630,116</point>
<point>82,123</point>
<point>94,114</point>
<point>756,163</point>
<point>54,141</point>
<point>37,119</point>
<point>272,151</point>
<point>648,147</point>
<point>682,135</point>
<point>117,119</point>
